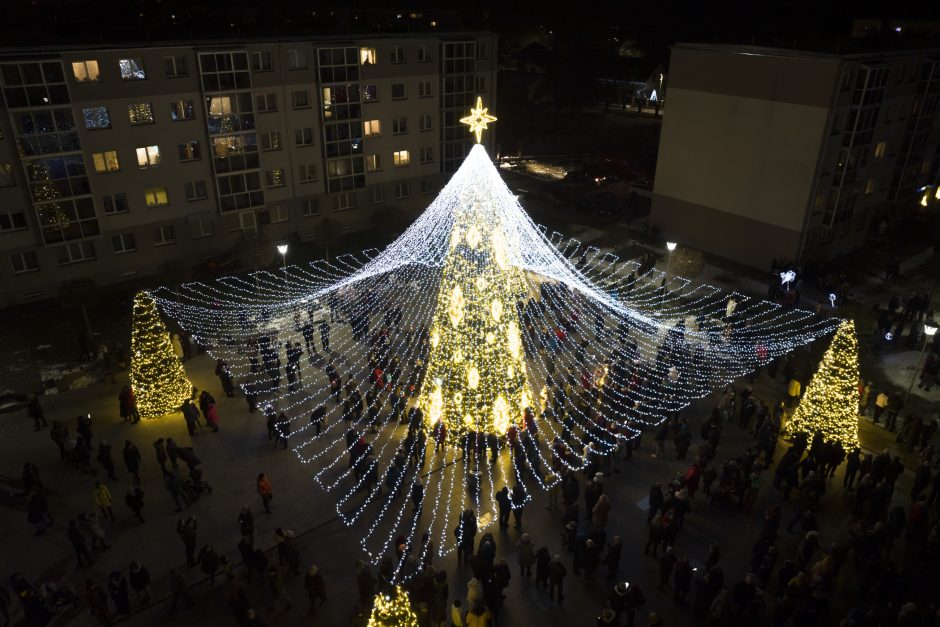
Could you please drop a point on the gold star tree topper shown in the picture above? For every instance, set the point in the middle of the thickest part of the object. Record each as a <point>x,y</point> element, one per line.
<point>478,119</point>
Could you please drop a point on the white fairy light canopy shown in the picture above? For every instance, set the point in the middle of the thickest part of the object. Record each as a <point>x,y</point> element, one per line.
<point>609,348</point>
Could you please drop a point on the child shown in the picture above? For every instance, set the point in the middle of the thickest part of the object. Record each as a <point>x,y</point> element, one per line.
<point>456,615</point>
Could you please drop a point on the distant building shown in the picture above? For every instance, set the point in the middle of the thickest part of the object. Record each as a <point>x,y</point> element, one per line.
<point>115,160</point>
<point>769,153</point>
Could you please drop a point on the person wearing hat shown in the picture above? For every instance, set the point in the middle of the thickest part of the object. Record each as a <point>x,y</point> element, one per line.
<point>556,578</point>
<point>607,617</point>
<point>612,559</point>
<point>315,586</point>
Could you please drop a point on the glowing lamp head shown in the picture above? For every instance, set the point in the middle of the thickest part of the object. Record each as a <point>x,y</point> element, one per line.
<point>282,248</point>
<point>930,329</point>
<point>671,246</point>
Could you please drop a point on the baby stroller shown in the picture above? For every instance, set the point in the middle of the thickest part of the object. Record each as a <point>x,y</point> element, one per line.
<point>194,486</point>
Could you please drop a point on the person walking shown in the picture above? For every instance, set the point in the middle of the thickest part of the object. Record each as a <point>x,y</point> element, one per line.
<point>518,504</point>
<point>212,416</point>
<point>35,411</point>
<point>278,590</point>
<point>556,578</point>
<point>105,459</point>
<point>187,529</point>
<point>265,491</point>
<point>505,507</point>
<point>160,449</point>
<point>180,589</point>
<point>117,590</point>
<point>103,499</point>
<point>132,459</point>
<point>77,538</point>
<point>315,587</point>
<point>140,581</point>
<point>246,523</point>
<point>175,487</point>
<point>526,555</point>
<point>59,434</point>
<point>90,523</point>
<point>209,562</point>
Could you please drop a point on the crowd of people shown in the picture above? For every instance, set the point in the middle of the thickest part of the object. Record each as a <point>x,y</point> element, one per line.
<point>792,577</point>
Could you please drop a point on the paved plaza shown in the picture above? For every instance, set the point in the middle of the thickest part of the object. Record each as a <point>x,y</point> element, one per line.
<point>233,457</point>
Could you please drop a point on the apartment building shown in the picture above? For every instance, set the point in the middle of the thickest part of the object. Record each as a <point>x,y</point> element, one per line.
<point>114,161</point>
<point>770,153</point>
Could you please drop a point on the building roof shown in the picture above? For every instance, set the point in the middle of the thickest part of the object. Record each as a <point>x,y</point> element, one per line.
<point>230,42</point>
<point>806,53</point>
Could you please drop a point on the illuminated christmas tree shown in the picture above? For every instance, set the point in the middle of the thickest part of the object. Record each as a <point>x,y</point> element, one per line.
<point>157,376</point>
<point>393,611</point>
<point>476,375</point>
<point>830,403</point>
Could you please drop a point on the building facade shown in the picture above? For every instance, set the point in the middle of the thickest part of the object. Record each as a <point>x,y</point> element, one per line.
<point>792,155</point>
<point>114,161</point>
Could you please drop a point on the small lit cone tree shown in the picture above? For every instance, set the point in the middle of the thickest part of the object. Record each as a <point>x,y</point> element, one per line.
<point>830,403</point>
<point>157,376</point>
<point>393,610</point>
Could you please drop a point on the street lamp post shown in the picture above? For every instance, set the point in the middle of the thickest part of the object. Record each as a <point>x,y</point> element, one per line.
<point>282,248</point>
<point>929,331</point>
<point>670,246</point>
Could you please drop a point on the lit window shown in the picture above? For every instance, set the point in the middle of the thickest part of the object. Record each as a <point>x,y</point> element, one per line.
<point>401,191</point>
<point>24,262</point>
<point>182,110</point>
<point>400,125</point>
<point>370,93</point>
<point>310,207</point>
<point>424,89</point>
<point>156,197</point>
<point>367,56</point>
<point>275,178</point>
<point>123,243</point>
<point>221,105</point>
<point>398,54</point>
<point>132,69</point>
<point>86,71</point>
<point>163,235</point>
<point>880,149</point>
<point>175,67</point>
<point>141,113</point>
<point>303,136</point>
<point>6,175</point>
<point>301,99</point>
<point>106,161</point>
<point>148,156</point>
<point>398,91</point>
<point>195,190</point>
<point>372,128</point>
<point>307,173</point>
<point>97,118</point>
<point>401,157</point>
<point>189,151</point>
<point>373,163</point>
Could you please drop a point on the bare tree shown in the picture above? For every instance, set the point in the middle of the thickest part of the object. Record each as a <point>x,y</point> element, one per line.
<point>80,294</point>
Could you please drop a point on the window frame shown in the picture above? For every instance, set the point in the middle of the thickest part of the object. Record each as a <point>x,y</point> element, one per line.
<point>130,75</point>
<point>116,198</point>
<point>176,70</point>
<point>148,106</point>
<point>84,63</point>
<point>155,192</point>
<point>152,157</point>
<point>124,249</point>
<point>293,99</point>
<point>27,267</point>
<point>106,160</point>
<point>163,240</point>
<point>401,158</point>
<point>404,91</point>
